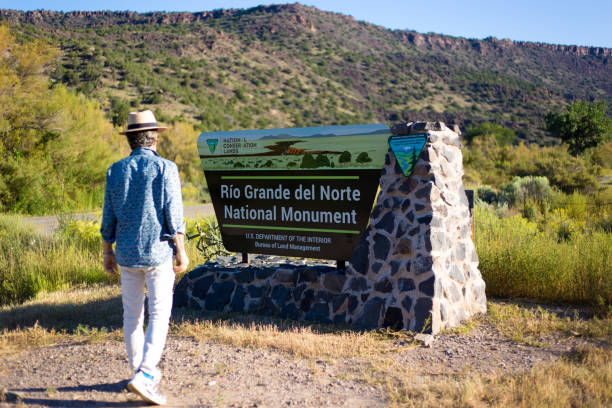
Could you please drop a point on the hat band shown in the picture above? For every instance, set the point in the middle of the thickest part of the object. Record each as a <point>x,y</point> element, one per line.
<point>141,125</point>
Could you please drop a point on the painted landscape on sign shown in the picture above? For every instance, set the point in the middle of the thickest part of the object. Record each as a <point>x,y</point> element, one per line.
<point>326,147</point>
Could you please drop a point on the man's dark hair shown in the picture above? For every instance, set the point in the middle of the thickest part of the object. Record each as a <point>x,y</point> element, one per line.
<point>141,139</point>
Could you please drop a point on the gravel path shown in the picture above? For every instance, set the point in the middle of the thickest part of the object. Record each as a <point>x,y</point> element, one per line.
<point>205,374</point>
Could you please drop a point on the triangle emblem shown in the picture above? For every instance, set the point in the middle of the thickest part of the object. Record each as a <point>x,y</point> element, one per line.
<point>212,144</point>
<point>407,150</point>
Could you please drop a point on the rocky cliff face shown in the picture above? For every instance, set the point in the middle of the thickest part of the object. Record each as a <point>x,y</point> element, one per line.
<point>493,45</point>
<point>297,14</point>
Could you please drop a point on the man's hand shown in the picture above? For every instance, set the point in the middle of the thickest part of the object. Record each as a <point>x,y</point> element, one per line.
<point>110,263</point>
<point>182,261</point>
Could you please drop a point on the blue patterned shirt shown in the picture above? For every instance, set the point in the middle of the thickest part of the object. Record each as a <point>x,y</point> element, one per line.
<point>143,208</point>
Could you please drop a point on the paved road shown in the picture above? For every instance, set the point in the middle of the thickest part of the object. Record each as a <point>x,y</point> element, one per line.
<point>48,224</point>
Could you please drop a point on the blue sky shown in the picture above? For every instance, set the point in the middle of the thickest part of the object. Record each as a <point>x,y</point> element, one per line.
<point>571,22</point>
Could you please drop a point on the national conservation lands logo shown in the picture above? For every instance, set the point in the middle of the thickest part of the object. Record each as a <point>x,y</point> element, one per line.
<point>212,144</point>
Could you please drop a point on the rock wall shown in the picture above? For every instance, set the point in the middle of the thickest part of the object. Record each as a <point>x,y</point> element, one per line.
<point>416,266</point>
<point>417,258</point>
<point>270,286</point>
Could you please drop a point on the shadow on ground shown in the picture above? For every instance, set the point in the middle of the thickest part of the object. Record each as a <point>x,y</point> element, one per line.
<point>114,387</point>
<point>104,313</point>
<point>185,315</point>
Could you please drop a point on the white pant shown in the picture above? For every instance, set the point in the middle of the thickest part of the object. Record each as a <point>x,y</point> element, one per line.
<point>144,352</point>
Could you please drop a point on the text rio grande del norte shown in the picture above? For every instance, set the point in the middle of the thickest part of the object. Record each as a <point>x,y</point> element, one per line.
<point>293,195</point>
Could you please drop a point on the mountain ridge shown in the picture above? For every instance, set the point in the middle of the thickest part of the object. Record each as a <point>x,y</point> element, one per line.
<point>91,18</point>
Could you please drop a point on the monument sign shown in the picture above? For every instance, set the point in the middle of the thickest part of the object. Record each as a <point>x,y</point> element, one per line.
<point>308,193</point>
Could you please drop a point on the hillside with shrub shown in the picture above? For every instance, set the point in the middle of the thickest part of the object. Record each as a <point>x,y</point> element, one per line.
<point>291,65</point>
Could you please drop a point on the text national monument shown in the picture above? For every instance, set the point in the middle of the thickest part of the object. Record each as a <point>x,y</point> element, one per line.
<point>360,225</point>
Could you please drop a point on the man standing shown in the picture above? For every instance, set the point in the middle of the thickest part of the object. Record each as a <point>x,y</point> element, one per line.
<point>143,216</point>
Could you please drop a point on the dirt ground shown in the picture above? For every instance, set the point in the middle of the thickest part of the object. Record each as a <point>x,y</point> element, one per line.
<point>205,374</point>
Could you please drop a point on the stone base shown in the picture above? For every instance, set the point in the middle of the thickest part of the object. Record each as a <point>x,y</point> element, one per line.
<point>268,286</point>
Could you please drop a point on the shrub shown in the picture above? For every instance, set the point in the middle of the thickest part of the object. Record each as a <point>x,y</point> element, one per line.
<point>503,136</point>
<point>604,224</point>
<point>204,240</point>
<point>119,111</point>
<point>31,263</point>
<point>363,158</point>
<point>522,189</point>
<point>308,162</point>
<point>487,163</point>
<point>345,157</point>
<point>487,194</point>
<point>519,261</point>
<point>322,161</point>
<point>83,233</point>
<point>530,210</point>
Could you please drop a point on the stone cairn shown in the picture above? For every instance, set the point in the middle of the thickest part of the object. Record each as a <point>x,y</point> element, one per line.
<point>415,268</point>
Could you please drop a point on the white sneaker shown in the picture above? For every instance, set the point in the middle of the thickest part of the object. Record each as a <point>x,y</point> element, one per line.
<point>156,379</point>
<point>145,385</point>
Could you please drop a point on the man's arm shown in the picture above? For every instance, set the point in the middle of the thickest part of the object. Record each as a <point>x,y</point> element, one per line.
<point>107,230</point>
<point>174,217</point>
<point>181,255</point>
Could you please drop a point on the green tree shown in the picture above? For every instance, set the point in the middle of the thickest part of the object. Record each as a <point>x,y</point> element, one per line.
<point>363,158</point>
<point>502,135</point>
<point>322,161</point>
<point>308,162</point>
<point>582,126</point>
<point>119,111</point>
<point>345,157</point>
<point>55,145</point>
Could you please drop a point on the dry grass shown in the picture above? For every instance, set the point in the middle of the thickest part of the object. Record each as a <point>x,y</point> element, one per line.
<point>35,336</point>
<point>94,305</point>
<point>295,339</point>
<point>84,314</point>
<point>582,380</point>
<point>532,324</point>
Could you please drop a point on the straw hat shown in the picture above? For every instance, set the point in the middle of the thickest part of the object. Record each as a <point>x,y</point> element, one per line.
<point>141,121</point>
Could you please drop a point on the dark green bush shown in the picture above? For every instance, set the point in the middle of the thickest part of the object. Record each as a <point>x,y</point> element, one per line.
<point>363,158</point>
<point>487,194</point>
<point>345,157</point>
<point>322,161</point>
<point>308,162</point>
